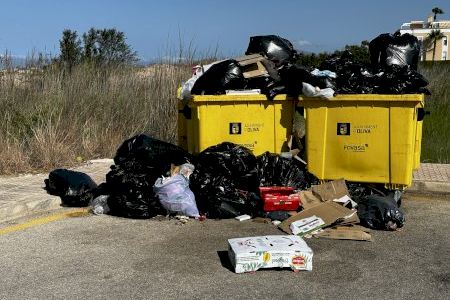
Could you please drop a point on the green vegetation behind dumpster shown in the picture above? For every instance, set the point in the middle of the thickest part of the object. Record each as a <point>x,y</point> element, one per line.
<point>436,127</point>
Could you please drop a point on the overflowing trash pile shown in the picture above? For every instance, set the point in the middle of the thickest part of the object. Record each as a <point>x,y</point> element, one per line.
<point>269,67</point>
<point>151,177</point>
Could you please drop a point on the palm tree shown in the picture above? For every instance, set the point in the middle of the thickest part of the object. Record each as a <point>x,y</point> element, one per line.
<point>432,39</point>
<point>437,11</point>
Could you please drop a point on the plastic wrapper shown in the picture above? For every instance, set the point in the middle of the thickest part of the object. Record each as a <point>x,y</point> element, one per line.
<point>187,86</point>
<point>387,50</point>
<point>222,76</point>
<point>99,205</point>
<point>175,196</point>
<point>274,170</point>
<point>275,48</point>
<point>310,91</point>
<point>73,187</point>
<point>378,212</point>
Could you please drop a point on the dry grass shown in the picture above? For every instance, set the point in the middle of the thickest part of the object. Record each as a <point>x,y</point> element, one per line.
<point>51,119</point>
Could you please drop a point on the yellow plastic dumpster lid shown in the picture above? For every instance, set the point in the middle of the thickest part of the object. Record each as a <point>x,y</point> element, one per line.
<point>370,97</point>
<point>244,97</point>
<point>284,97</point>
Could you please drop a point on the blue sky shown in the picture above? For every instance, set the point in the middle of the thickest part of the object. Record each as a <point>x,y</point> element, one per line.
<point>154,28</point>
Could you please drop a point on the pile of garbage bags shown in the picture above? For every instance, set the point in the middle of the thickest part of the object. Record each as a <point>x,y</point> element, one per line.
<point>274,70</point>
<point>151,177</point>
<point>228,176</point>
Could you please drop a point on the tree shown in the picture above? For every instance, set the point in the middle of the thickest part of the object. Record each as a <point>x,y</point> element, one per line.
<point>436,11</point>
<point>100,46</point>
<point>90,47</point>
<point>107,47</point>
<point>70,48</point>
<point>433,37</point>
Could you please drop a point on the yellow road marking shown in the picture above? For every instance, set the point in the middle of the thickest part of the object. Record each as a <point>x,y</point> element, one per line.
<point>44,220</point>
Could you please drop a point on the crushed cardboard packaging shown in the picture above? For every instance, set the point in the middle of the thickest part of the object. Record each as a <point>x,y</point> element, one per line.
<point>330,212</point>
<point>308,199</point>
<point>330,190</point>
<point>273,251</point>
<point>252,66</point>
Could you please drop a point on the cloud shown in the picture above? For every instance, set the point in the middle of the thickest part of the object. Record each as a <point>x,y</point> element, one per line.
<point>303,43</point>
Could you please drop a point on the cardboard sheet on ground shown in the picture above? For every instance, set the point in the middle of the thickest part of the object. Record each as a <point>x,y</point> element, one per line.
<point>330,190</point>
<point>330,212</point>
<point>344,233</point>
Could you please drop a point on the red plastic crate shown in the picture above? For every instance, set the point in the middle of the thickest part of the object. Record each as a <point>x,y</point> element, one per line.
<point>279,198</point>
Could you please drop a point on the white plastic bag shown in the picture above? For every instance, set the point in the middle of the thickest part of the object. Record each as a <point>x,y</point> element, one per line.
<point>175,196</point>
<point>311,91</point>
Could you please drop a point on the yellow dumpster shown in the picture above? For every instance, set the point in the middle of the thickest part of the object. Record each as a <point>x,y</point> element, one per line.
<point>248,120</point>
<point>364,138</point>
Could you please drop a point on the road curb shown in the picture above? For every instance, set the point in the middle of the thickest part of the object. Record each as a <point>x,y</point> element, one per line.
<point>430,187</point>
<point>23,209</point>
<point>22,196</point>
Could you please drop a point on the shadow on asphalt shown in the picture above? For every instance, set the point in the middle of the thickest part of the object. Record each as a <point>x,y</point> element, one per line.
<point>225,260</point>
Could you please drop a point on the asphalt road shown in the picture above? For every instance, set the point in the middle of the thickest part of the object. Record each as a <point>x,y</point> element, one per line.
<point>104,257</point>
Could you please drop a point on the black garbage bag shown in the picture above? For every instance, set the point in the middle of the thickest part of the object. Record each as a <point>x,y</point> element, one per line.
<point>352,77</point>
<point>380,212</point>
<point>275,48</point>
<point>225,181</point>
<point>131,193</point>
<point>144,152</point>
<point>292,77</point>
<point>222,76</point>
<point>227,159</point>
<point>73,187</point>
<point>400,80</point>
<point>274,170</point>
<point>220,197</point>
<point>387,50</point>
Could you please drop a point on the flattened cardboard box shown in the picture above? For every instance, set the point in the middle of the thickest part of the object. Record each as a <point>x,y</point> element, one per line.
<point>330,190</point>
<point>308,200</point>
<point>272,251</point>
<point>252,65</point>
<point>342,233</point>
<point>330,212</point>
